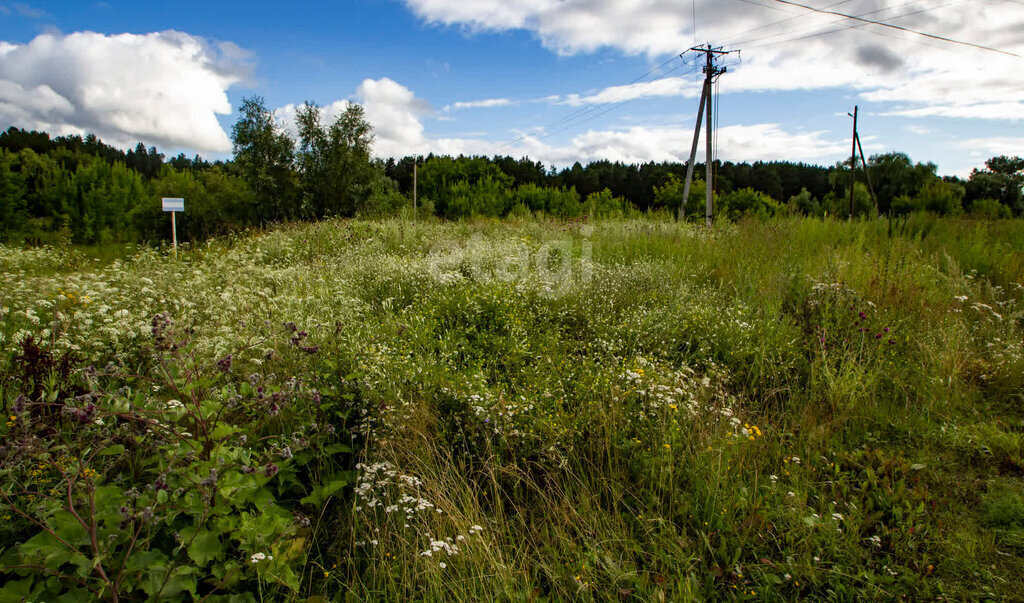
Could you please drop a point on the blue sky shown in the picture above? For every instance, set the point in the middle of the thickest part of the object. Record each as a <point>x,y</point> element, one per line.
<point>544,78</point>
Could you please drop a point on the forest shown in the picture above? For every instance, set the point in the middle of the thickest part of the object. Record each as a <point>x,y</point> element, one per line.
<point>81,190</point>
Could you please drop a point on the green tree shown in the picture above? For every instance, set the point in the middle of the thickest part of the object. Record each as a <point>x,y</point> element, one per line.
<point>335,169</point>
<point>265,155</point>
<point>12,194</point>
<point>1003,180</point>
<point>894,175</point>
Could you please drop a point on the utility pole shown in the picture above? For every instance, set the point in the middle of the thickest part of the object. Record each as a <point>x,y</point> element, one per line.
<point>856,146</point>
<point>867,174</point>
<point>853,157</point>
<point>706,99</point>
<point>415,161</point>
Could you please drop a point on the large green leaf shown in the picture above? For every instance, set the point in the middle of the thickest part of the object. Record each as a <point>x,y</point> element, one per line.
<point>205,547</point>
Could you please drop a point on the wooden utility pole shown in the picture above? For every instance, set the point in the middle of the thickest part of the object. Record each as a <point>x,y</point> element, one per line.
<point>709,188</point>
<point>706,99</point>
<point>867,173</point>
<point>856,146</point>
<point>693,152</point>
<point>853,158</point>
<point>414,162</point>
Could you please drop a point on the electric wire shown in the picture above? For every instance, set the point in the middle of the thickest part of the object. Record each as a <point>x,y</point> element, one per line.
<point>745,42</point>
<point>599,114</point>
<point>591,107</point>
<point>898,28</point>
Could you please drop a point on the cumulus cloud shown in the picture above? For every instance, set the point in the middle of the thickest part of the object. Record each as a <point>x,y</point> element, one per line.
<point>641,144</point>
<point>397,115</point>
<point>787,48</point>
<point>163,88</point>
<point>285,116</point>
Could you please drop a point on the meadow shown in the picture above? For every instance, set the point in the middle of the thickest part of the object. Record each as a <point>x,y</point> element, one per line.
<point>519,410</point>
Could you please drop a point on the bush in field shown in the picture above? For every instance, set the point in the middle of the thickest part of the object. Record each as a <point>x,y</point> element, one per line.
<point>989,209</point>
<point>670,196</point>
<point>748,202</point>
<point>804,204</point>
<point>838,205</point>
<point>605,205</point>
<point>942,198</point>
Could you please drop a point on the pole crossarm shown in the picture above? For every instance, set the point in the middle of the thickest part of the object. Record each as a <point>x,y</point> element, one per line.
<point>711,71</point>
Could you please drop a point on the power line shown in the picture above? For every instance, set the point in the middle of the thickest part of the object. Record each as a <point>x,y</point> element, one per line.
<point>873,12</point>
<point>780,21</point>
<point>883,34</point>
<point>850,26</point>
<point>898,27</point>
<point>600,113</point>
<point>591,106</point>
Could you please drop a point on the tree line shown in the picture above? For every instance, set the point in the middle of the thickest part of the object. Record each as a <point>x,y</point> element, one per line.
<point>82,190</point>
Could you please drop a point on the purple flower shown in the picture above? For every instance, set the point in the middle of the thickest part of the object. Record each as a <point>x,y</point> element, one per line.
<point>878,336</point>
<point>270,470</point>
<point>224,364</point>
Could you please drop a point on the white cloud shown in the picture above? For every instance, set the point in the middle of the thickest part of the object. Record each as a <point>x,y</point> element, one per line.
<point>486,103</point>
<point>991,147</point>
<point>394,112</point>
<point>642,144</point>
<point>164,88</point>
<point>285,116</point>
<point>668,86</point>
<point>26,10</point>
<point>396,115</point>
<point>926,77</point>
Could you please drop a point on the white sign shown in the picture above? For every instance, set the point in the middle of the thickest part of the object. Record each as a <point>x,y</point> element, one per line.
<point>173,204</point>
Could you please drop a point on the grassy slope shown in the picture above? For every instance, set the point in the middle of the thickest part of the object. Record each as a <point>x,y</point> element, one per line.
<point>690,414</point>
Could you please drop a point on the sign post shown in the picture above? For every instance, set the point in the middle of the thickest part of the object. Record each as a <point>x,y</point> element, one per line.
<point>174,205</point>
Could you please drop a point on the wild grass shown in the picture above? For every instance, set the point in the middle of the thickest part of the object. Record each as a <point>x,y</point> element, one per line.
<point>620,410</point>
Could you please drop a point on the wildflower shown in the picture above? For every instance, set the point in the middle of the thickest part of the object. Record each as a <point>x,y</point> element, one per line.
<point>257,557</point>
<point>224,364</point>
<point>442,565</point>
<point>790,494</point>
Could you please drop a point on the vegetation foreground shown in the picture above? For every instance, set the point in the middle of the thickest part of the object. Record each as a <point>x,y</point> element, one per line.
<point>622,410</point>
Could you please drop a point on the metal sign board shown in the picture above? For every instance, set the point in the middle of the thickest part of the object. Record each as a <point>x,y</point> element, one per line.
<point>173,204</point>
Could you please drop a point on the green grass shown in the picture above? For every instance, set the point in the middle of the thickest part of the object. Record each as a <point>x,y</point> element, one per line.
<point>630,410</point>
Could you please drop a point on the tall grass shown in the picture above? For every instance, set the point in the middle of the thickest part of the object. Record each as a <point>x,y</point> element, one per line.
<point>763,411</point>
